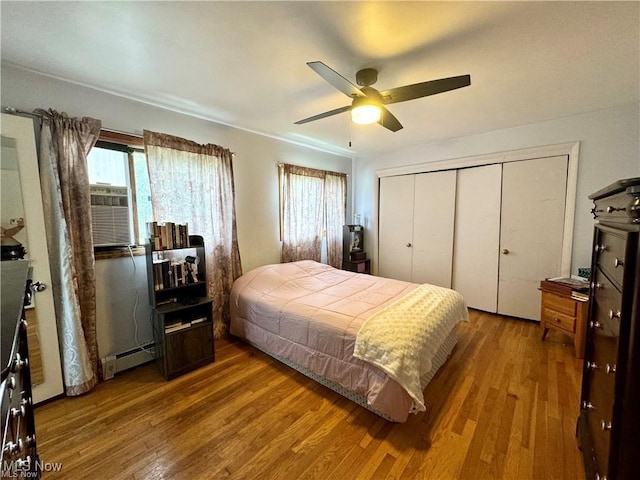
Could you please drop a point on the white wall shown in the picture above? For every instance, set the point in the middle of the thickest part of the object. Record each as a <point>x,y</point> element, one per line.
<point>609,151</point>
<point>256,182</point>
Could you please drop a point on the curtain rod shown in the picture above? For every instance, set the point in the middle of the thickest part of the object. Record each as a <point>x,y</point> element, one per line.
<point>16,111</point>
<point>281,164</point>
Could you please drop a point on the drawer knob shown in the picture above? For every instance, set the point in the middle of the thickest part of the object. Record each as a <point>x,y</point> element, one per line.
<point>611,209</point>
<point>595,324</point>
<point>615,314</point>
<point>14,447</point>
<point>18,412</point>
<point>609,369</point>
<point>600,477</point>
<point>618,263</point>
<point>19,363</point>
<point>409,244</point>
<point>604,426</point>
<point>600,248</point>
<point>587,405</point>
<point>591,365</point>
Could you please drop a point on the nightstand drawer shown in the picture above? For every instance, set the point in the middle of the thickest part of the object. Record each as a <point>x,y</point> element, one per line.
<point>559,320</point>
<point>566,306</point>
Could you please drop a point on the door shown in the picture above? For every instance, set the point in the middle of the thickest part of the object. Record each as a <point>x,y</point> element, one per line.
<point>433,221</point>
<point>476,240</point>
<point>22,206</point>
<point>531,232</point>
<point>395,227</point>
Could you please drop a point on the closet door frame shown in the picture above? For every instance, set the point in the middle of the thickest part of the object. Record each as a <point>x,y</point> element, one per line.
<point>571,149</point>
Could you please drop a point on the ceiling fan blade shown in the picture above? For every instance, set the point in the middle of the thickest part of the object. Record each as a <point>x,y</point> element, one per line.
<point>387,120</point>
<point>324,115</point>
<point>335,79</point>
<point>417,90</point>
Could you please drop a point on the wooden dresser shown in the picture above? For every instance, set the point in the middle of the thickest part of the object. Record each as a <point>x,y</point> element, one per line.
<point>609,422</point>
<point>19,456</point>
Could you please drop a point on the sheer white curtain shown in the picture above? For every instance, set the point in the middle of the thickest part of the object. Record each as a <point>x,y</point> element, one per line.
<point>193,184</point>
<point>64,179</point>
<point>335,186</point>
<point>311,201</point>
<point>302,204</point>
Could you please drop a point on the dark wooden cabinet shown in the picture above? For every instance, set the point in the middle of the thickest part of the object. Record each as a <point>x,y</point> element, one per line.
<point>354,257</point>
<point>609,419</point>
<point>19,456</point>
<point>182,312</point>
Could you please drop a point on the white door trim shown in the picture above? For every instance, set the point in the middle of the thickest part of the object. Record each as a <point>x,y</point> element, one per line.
<point>570,149</point>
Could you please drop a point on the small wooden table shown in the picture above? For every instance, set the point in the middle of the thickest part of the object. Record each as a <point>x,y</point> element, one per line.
<point>565,314</point>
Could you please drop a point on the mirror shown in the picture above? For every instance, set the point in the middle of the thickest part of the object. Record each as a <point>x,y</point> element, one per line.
<point>12,221</point>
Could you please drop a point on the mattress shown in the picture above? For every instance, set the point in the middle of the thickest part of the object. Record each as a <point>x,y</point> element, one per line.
<point>310,315</point>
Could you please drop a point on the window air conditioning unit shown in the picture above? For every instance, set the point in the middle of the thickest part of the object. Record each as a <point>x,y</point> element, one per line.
<point>110,218</point>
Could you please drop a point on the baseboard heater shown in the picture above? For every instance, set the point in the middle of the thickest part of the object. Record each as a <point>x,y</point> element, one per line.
<point>122,361</point>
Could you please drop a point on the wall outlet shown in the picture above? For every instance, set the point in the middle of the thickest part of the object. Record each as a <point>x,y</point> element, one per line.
<point>108,367</point>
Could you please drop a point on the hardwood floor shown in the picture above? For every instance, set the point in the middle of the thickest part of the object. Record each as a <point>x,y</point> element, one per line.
<point>504,406</point>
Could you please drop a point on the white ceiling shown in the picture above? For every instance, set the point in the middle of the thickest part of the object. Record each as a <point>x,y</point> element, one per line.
<point>244,63</point>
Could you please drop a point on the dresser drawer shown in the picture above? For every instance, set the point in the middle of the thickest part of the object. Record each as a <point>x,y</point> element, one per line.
<point>607,301</point>
<point>621,207</point>
<point>563,305</point>
<point>601,441</point>
<point>610,251</point>
<point>559,320</point>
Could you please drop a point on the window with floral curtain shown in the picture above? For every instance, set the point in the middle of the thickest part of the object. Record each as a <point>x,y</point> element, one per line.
<point>312,202</point>
<point>193,184</point>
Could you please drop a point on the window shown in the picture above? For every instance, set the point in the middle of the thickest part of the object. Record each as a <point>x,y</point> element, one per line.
<point>120,193</point>
<point>313,206</point>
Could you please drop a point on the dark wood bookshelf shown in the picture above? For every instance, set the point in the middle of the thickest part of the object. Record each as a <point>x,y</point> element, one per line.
<point>182,312</point>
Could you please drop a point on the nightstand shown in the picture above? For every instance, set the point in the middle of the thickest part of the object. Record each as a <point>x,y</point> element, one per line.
<point>565,314</point>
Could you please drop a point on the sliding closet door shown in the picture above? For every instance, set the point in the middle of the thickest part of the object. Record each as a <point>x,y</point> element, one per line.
<point>477,230</point>
<point>433,221</point>
<point>395,227</point>
<point>532,228</point>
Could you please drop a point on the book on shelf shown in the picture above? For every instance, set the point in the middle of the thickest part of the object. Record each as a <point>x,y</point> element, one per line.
<point>167,235</point>
<point>196,321</point>
<point>171,274</point>
<point>581,296</point>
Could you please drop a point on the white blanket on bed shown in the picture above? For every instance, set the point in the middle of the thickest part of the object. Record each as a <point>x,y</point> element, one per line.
<point>403,338</point>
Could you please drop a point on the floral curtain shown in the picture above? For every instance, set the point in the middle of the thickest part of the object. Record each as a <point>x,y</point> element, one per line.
<point>64,145</point>
<point>193,184</point>
<point>312,201</point>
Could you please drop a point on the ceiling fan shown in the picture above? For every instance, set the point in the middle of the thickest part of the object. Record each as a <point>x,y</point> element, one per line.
<point>368,103</point>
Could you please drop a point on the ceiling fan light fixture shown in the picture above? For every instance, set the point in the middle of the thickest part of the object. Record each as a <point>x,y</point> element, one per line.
<point>365,113</point>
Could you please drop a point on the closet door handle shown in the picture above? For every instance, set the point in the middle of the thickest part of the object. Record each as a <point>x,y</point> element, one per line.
<point>505,251</point>
<point>409,244</point>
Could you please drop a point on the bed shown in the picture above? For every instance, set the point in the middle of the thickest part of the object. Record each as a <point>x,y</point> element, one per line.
<point>375,340</point>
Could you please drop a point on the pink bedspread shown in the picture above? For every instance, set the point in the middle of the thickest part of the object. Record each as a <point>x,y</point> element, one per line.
<point>310,313</point>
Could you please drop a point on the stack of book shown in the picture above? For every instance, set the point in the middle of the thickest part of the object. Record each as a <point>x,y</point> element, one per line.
<point>167,235</point>
<point>578,289</point>
<point>181,325</point>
